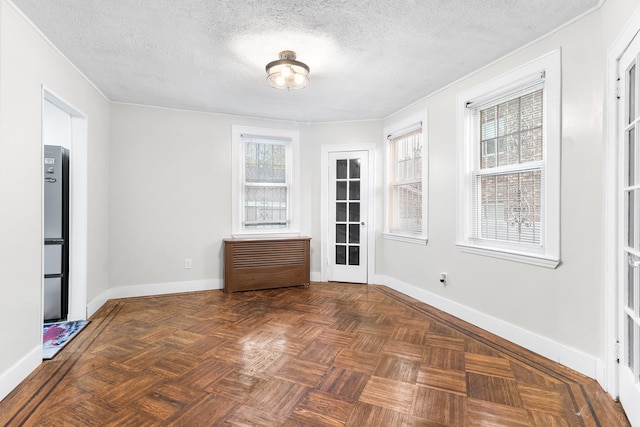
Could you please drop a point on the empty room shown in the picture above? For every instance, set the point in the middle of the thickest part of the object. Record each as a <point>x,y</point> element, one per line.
<point>287,213</point>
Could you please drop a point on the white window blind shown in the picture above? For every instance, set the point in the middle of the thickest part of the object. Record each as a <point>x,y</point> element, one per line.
<point>508,177</point>
<point>405,182</point>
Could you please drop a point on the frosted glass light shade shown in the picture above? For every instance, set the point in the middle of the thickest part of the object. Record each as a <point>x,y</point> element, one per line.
<point>287,73</point>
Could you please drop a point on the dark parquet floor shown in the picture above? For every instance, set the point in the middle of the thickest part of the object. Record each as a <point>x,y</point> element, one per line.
<point>325,355</point>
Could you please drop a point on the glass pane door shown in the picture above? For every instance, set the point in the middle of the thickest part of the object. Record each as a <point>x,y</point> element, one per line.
<point>347,202</point>
<point>347,217</point>
<point>629,289</point>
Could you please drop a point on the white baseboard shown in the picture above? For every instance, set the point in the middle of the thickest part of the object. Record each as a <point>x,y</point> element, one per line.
<point>151,289</point>
<point>13,376</point>
<point>95,304</point>
<point>160,289</point>
<point>601,376</point>
<point>575,359</point>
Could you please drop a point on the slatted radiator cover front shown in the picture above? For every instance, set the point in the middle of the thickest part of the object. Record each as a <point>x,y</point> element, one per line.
<point>252,264</point>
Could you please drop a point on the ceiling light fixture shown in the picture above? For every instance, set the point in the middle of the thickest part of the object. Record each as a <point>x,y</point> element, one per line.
<point>287,73</point>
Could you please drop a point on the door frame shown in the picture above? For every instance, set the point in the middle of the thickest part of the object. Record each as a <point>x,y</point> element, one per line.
<point>608,375</point>
<point>324,203</point>
<point>78,206</point>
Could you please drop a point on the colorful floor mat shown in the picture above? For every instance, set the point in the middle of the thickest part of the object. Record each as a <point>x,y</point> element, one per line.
<point>57,335</point>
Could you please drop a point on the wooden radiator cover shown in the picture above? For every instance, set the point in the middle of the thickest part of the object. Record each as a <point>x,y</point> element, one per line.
<point>251,264</point>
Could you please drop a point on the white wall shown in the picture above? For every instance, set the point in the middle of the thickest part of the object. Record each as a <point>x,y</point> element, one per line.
<point>171,194</point>
<point>27,63</point>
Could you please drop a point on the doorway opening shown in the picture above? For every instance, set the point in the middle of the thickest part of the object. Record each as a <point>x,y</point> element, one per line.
<point>65,126</point>
<point>623,223</point>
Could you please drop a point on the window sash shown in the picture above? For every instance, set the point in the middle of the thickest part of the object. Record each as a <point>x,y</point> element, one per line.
<point>266,194</point>
<point>509,206</point>
<point>406,151</point>
<point>263,155</point>
<point>511,132</point>
<point>406,202</point>
<point>506,207</point>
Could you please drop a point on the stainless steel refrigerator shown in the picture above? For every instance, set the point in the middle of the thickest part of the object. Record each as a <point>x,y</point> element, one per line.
<point>56,233</point>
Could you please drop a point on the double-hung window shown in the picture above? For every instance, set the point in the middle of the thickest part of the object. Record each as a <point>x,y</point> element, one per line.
<point>265,184</point>
<point>509,165</point>
<point>405,177</point>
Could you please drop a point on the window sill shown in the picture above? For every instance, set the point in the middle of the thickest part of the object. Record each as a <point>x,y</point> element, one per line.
<point>264,235</point>
<point>407,239</point>
<point>539,260</point>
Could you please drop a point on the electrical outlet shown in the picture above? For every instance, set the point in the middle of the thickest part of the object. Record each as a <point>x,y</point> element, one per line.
<point>443,278</point>
<point>187,263</point>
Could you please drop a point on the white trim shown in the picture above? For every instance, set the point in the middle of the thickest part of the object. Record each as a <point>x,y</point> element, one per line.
<point>165,288</point>
<point>12,377</point>
<point>78,219</point>
<point>152,289</point>
<point>292,136</point>
<point>78,203</point>
<point>525,258</point>
<point>405,238</point>
<point>324,195</point>
<point>284,122</point>
<point>614,53</point>
<point>555,351</point>
<point>269,234</point>
<point>551,65</point>
<point>94,305</point>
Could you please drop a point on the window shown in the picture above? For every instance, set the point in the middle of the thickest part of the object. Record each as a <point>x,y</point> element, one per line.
<point>509,165</point>
<point>266,187</point>
<point>406,191</point>
<point>265,181</point>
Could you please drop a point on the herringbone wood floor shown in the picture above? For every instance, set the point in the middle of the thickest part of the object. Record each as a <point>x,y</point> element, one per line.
<point>324,355</point>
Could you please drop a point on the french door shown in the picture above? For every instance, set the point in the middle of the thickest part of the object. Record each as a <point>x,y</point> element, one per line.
<point>629,196</point>
<point>347,215</point>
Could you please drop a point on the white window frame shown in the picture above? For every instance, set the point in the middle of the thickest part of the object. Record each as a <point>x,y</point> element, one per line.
<point>401,127</point>
<point>291,139</point>
<point>547,69</point>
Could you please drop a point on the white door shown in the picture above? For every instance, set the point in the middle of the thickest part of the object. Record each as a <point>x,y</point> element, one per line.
<point>347,216</point>
<point>629,270</point>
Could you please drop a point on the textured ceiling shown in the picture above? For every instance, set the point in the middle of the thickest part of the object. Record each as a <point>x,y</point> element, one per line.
<point>368,59</point>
